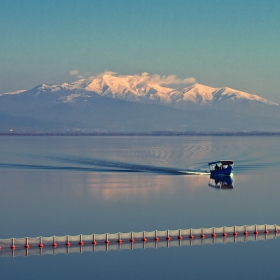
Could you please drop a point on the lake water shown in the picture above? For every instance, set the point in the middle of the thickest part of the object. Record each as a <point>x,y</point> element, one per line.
<point>83,185</point>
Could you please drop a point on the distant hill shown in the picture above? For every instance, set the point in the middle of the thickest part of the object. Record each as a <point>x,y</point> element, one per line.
<point>132,104</point>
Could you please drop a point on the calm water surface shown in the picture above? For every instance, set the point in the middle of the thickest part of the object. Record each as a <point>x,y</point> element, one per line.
<point>72,185</point>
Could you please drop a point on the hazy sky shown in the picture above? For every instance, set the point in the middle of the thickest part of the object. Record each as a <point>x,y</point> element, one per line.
<point>218,42</point>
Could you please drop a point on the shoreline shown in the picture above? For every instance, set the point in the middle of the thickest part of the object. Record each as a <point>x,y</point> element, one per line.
<point>160,133</point>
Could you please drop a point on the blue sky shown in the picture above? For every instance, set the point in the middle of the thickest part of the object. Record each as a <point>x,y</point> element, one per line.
<point>218,42</point>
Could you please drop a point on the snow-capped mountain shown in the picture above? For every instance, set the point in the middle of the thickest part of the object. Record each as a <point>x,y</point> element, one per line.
<point>144,89</point>
<point>205,95</point>
<point>110,102</point>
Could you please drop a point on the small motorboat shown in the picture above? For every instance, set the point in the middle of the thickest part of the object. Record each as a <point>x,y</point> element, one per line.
<point>221,167</point>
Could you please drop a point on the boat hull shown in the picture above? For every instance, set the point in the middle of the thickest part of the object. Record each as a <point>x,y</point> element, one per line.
<point>222,172</point>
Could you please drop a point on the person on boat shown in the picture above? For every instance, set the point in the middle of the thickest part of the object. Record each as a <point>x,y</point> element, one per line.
<point>216,167</point>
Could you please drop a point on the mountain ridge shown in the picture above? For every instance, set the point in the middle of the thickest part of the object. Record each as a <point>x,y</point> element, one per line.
<point>140,88</point>
<point>139,103</point>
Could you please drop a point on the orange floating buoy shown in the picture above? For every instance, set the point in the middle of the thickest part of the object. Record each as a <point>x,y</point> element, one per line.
<point>13,247</point>
<point>119,241</point>
<point>266,231</point>
<point>235,233</point>
<point>191,236</point>
<point>276,231</point>
<point>156,239</point>
<point>245,233</point>
<point>132,240</point>
<point>27,246</point>
<point>224,234</point>
<point>180,237</point>
<point>41,245</point>
<point>144,239</point>
<point>94,242</point>
<point>68,244</point>
<point>107,241</point>
<point>81,243</point>
<point>54,245</point>
<point>214,235</point>
<point>202,236</point>
<point>168,238</point>
<point>256,232</point>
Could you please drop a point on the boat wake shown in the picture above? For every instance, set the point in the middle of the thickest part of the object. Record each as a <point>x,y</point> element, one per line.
<point>98,165</point>
<point>117,166</point>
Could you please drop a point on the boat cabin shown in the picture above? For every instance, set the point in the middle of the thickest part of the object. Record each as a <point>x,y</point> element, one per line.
<point>221,167</point>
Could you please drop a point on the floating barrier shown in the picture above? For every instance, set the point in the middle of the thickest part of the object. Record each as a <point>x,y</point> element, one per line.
<point>135,240</point>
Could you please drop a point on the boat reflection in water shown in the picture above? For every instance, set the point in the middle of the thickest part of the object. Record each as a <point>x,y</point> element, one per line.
<point>217,182</point>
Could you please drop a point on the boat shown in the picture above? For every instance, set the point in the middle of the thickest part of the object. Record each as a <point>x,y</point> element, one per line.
<point>221,167</point>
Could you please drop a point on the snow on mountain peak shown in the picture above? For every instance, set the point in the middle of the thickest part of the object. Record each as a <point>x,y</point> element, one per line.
<point>232,94</point>
<point>13,92</point>
<point>129,87</point>
<point>154,89</point>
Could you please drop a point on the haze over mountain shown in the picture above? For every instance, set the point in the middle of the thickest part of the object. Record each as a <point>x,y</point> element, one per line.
<point>111,102</point>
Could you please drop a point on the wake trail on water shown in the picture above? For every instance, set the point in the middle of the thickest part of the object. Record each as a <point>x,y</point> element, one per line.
<point>99,165</point>
<point>89,164</point>
<point>131,167</point>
